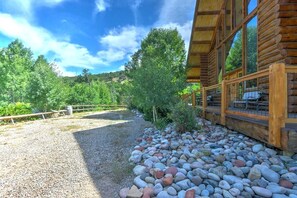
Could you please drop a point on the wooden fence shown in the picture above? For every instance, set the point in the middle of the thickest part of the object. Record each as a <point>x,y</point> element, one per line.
<point>81,108</point>
<point>43,114</point>
<point>76,108</point>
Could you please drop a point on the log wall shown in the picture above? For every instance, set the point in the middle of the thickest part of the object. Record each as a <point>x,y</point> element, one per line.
<point>204,70</point>
<point>287,44</point>
<point>212,68</point>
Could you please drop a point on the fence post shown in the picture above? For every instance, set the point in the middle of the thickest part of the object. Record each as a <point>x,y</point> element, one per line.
<point>204,102</point>
<point>193,99</point>
<point>223,102</point>
<point>276,103</point>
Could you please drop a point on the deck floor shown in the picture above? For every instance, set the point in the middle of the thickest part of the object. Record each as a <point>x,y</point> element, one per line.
<point>217,110</point>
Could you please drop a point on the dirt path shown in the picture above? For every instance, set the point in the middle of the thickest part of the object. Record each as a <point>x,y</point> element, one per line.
<point>78,156</point>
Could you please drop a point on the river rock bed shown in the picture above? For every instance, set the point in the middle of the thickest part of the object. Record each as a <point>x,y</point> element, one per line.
<point>212,162</point>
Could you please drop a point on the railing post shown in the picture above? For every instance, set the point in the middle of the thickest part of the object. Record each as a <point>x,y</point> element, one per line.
<point>223,102</point>
<point>276,103</point>
<point>193,99</point>
<point>204,102</point>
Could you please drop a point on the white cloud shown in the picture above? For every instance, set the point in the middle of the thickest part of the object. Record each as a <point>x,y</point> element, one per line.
<point>122,68</point>
<point>184,30</point>
<point>25,8</point>
<point>176,11</point>
<point>135,5</point>
<point>42,41</point>
<point>178,14</point>
<point>101,6</point>
<point>121,43</point>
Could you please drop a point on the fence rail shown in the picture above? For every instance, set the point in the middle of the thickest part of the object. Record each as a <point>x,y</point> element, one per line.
<point>42,114</point>
<point>80,108</point>
<point>76,108</point>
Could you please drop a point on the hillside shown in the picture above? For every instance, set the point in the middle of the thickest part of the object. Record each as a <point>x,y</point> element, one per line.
<point>118,76</point>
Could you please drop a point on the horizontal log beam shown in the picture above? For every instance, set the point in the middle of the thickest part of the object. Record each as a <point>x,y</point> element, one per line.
<point>211,12</point>
<point>201,42</point>
<point>205,28</point>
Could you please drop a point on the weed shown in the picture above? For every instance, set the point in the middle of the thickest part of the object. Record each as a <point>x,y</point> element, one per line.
<point>70,127</point>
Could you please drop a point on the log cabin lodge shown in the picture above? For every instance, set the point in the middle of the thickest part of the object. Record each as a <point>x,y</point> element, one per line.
<point>244,55</point>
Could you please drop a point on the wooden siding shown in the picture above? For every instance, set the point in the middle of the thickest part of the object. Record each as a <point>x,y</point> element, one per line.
<point>212,68</point>
<point>287,44</point>
<point>204,70</point>
<point>268,51</point>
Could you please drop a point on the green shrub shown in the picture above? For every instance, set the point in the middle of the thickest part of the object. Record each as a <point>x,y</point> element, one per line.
<point>18,108</point>
<point>184,117</point>
<point>199,112</point>
<point>161,123</point>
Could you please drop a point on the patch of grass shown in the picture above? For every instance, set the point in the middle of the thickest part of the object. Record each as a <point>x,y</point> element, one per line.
<point>120,138</point>
<point>121,169</point>
<point>70,127</point>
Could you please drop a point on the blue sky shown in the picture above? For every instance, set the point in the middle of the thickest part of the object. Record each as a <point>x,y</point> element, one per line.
<point>96,34</point>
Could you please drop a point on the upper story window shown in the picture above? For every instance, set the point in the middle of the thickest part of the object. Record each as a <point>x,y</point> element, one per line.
<point>234,33</point>
<point>233,49</point>
<point>237,12</point>
<point>251,40</point>
<point>251,5</point>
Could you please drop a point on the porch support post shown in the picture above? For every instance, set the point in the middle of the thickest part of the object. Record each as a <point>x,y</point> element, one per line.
<point>193,99</point>
<point>223,102</point>
<point>276,102</point>
<point>204,102</point>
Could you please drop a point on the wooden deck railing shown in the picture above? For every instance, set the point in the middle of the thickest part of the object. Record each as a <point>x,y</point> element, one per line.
<point>276,104</point>
<point>291,95</point>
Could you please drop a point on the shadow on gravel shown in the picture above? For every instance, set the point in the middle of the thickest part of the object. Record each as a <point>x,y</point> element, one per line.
<point>106,151</point>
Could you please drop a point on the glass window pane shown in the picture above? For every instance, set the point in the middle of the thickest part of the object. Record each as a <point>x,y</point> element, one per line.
<point>252,45</point>
<point>220,33</point>
<point>233,49</point>
<point>237,12</point>
<point>251,5</point>
<point>228,19</point>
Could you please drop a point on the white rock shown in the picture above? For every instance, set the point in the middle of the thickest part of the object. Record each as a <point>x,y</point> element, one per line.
<point>262,191</point>
<point>138,170</point>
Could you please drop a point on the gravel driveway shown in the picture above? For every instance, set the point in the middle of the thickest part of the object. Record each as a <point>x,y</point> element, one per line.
<point>85,155</point>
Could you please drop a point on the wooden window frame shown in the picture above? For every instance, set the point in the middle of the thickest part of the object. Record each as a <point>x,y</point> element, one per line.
<point>242,25</point>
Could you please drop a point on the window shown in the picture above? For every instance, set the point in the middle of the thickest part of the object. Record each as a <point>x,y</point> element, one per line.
<point>228,18</point>
<point>251,42</point>
<point>237,12</point>
<point>251,5</point>
<point>233,47</point>
<point>220,72</point>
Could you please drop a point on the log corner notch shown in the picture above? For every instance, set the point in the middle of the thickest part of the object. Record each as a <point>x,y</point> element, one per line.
<point>277,103</point>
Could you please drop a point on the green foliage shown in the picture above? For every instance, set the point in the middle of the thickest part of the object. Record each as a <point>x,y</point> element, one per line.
<point>18,108</point>
<point>252,49</point>
<point>184,117</point>
<point>24,79</point>
<point>15,65</point>
<point>157,72</point>
<point>93,93</point>
<point>234,58</point>
<point>161,123</point>
<point>190,88</point>
<point>45,90</point>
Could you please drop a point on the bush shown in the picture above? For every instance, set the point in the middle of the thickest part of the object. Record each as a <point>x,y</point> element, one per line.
<point>184,117</point>
<point>161,123</point>
<point>18,108</point>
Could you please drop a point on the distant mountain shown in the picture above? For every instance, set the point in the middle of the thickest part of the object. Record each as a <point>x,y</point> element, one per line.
<point>118,76</point>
